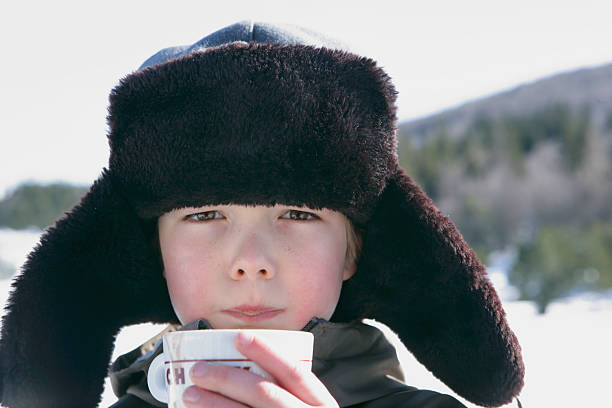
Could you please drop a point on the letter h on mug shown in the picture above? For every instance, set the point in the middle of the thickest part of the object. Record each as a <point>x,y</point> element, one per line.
<point>179,376</point>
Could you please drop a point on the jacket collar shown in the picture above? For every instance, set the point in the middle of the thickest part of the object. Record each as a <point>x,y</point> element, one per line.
<point>354,360</point>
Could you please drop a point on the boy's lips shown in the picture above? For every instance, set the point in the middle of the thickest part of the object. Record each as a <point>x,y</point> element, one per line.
<point>252,313</point>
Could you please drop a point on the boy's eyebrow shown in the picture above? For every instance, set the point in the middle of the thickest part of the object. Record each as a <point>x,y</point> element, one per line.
<point>202,207</point>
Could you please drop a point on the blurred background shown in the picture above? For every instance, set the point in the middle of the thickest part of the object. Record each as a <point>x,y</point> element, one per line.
<point>505,120</point>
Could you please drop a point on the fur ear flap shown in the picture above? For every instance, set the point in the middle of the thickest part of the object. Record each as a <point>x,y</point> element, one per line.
<point>417,275</point>
<point>93,272</point>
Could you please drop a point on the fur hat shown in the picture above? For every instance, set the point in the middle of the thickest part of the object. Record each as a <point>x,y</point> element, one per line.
<point>238,118</point>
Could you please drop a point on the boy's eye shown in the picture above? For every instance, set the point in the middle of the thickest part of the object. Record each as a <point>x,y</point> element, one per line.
<point>205,216</point>
<point>299,215</point>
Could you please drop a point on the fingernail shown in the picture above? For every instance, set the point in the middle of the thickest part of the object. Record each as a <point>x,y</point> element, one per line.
<point>199,369</point>
<point>191,394</point>
<point>245,339</point>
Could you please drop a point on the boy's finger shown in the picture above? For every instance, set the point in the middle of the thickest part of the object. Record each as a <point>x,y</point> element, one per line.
<point>299,381</point>
<point>241,386</point>
<point>194,397</point>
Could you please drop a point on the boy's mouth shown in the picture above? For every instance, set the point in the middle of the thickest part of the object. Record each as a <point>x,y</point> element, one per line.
<point>251,313</point>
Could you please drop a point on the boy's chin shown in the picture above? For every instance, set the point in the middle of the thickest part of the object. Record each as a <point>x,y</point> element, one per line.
<point>232,323</point>
<point>263,326</point>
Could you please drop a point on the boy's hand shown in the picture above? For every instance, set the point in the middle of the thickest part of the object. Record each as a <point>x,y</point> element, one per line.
<point>230,387</point>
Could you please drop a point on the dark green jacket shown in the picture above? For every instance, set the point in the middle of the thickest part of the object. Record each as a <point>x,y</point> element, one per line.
<point>354,360</point>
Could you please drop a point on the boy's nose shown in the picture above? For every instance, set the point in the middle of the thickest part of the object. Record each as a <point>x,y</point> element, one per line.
<point>251,261</point>
<point>242,273</point>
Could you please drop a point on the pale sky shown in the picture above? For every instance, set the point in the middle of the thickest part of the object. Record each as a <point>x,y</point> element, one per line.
<point>60,59</point>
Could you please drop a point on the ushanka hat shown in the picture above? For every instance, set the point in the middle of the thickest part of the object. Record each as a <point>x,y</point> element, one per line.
<point>252,114</point>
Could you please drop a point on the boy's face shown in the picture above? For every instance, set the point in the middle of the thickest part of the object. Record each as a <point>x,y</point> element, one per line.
<point>261,267</point>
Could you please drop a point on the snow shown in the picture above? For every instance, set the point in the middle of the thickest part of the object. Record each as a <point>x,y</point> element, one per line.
<point>15,244</point>
<point>566,351</point>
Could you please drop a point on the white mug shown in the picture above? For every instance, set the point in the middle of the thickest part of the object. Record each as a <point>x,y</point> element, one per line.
<point>168,375</point>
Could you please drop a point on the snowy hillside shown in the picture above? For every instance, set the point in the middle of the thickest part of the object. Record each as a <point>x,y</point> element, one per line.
<point>566,351</point>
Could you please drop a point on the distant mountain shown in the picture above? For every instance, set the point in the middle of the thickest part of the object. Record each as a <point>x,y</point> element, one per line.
<point>33,205</point>
<point>528,168</point>
<point>589,88</point>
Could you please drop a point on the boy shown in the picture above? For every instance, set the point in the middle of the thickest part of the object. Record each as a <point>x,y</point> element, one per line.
<point>244,158</point>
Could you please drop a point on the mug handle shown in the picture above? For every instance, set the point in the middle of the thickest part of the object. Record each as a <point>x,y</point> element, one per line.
<point>156,379</point>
